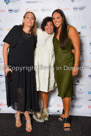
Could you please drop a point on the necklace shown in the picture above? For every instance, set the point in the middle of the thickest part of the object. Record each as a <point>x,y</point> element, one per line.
<point>27,36</point>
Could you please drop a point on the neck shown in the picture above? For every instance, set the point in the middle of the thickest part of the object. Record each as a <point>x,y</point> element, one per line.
<point>27,29</point>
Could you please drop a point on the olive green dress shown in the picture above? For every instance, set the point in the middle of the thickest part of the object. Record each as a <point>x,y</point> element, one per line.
<point>64,61</point>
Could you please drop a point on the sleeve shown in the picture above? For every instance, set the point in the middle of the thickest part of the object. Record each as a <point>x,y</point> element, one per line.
<point>39,31</point>
<point>11,36</point>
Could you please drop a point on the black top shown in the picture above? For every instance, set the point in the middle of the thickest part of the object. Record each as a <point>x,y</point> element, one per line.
<point>21,53</point>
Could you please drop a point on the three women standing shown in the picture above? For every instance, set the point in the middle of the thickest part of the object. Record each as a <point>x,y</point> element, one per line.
<point>21,89</point>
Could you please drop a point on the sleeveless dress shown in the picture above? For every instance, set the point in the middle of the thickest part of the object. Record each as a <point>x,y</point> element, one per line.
<point>64,61</point>
<point>44,61</point>
<point>21,90</point>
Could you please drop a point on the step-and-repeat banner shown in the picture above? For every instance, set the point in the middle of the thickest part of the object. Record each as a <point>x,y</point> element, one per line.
<point>78,15</point>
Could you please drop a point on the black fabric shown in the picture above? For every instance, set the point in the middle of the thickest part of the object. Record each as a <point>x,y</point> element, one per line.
<point>21,91</point>
<point>13,35</point>
<point>80,126</point>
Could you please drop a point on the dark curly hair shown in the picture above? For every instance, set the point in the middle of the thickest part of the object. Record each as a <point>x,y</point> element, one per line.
<point>45,21</point>
<point>63,35</point>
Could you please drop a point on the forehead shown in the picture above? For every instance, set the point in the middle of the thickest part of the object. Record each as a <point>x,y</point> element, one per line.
<point>49,23</point>
<point>29,14</point>
<point>56,14</point>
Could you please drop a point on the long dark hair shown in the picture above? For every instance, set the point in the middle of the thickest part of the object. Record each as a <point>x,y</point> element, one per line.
<point>63,37</point>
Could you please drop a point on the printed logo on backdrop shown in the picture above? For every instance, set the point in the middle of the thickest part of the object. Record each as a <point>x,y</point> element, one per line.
<point>78,83</point>
<point>89,106</point>
<point>79,8</point>
<point>64,9</point>
<point>75,0</point>
<point>32,10</point>
<point>2,11</point>
<point>1,44</point>
<point>34,1</point>
<point>7,1</point>
<point>1,76</point>
<point>83,27</point>
<point>31,1</point>
<point>13,10</point>
<point>89,92</point>
<point>76,106</point>
<point>10,1</point>
<point>89,100</point>
<point>77,98</point>
<point>89,76</point>
<point>2,104</point>
<point>3,90</point>
<point>46,10</point>
<point>80,91</point>
<point>83,36</point>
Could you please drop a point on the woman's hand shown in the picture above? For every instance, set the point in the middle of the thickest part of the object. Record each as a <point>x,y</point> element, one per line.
<point>6,70</point>
<point>73,51</point>
<point>75,71</point>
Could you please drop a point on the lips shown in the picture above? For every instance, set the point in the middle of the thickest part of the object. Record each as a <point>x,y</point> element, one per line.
<point>29,22</point>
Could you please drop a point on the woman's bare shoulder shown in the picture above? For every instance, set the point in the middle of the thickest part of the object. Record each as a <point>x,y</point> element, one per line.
<point>72,30</point>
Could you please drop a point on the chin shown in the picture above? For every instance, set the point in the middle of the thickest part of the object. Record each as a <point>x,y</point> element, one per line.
<point>49,32</point>
<point>30,25</point>
<point>56,26</point>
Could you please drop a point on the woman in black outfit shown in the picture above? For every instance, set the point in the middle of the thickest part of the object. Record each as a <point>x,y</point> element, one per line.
<point>19,69</point>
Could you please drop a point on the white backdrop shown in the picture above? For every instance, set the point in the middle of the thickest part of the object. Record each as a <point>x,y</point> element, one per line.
<point>78,15</point>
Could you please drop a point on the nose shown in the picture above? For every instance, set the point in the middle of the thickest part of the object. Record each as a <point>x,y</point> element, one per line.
<point>30,19</point>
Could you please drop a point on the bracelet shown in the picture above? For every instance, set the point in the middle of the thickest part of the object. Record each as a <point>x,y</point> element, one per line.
<point>6,67</point>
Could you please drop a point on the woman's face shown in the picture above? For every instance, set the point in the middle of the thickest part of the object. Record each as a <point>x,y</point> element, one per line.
<point>29,20</point>
<point>57,19</point>
<point>49,27</point>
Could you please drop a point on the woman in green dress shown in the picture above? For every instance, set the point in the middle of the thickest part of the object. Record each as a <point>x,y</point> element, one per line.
<point>66,39</point>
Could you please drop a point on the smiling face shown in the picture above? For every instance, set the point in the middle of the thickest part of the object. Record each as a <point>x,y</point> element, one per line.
<point>57,19</point>
<point>49,27</point>
<point>29,20</point>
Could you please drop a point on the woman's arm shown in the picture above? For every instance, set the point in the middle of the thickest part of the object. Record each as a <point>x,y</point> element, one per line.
<point>5,58</point>
<point>74,36</point>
